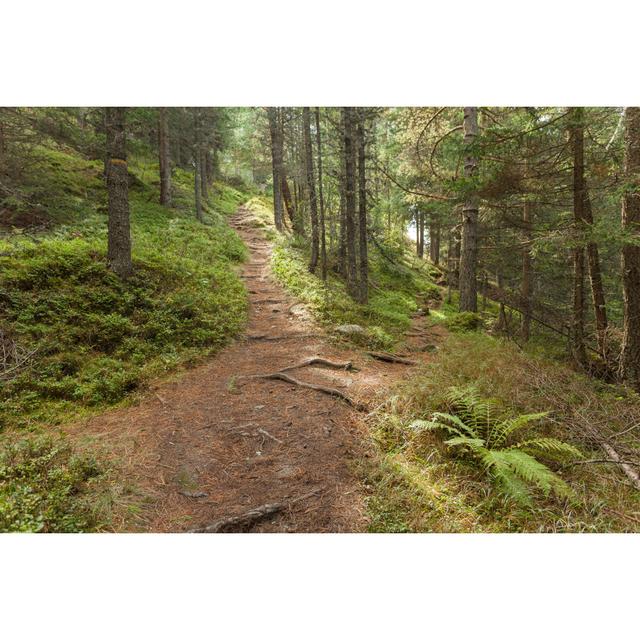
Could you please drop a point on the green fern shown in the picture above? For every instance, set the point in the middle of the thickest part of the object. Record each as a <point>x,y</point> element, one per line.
<point>479,430</point>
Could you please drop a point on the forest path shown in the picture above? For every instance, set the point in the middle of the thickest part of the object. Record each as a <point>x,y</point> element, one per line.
<point>216,443</point>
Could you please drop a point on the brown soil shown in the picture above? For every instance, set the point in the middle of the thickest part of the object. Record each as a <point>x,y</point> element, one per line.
<point>216,443</point>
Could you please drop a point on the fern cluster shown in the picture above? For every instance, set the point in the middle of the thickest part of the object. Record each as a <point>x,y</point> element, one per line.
<point>476,427</point>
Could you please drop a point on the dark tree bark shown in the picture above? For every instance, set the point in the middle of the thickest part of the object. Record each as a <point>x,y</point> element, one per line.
<point>527,271</point>
<point>119,233</point>
<point>576,128</point>
<point>595,279</point>
<point>288,204</point>
<point>453,261</point>
<point>363,285</point>
<point>323,240</point>
<point>630,357</point>
<point>434,242</point>
<point>311,189</point>
<point>350,200</point>
<point>197,169</point>
<point>469,246</point>
<point>164,156</point>
<point>276,163</point>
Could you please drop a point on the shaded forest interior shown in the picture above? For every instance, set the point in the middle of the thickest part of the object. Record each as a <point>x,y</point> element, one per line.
<point>513,232</point>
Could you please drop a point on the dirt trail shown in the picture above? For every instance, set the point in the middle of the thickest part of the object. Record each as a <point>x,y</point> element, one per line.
<point>213,444</point>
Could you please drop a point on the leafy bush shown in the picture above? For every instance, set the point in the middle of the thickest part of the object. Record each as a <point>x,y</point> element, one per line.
<point>42,486</point>
<point>497,444</point>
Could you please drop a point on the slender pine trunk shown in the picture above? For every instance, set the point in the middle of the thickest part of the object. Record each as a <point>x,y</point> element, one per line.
<point>311,189</point>
<point>576,129</point>
<point>350,200</point>
<point>164,154</point>
<point>469,246</point>
<point>276,164</point>
<point>119,232</point>
<point>363,285</point>
<point>630,357</point>
<point>323,239</point>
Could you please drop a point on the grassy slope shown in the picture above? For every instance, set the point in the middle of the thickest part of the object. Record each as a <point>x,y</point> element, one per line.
<point>96,340</point>
<point>415,484</point>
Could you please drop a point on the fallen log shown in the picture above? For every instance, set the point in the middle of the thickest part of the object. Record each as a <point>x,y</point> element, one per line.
<point>389,357</point>
<point>242,522</point>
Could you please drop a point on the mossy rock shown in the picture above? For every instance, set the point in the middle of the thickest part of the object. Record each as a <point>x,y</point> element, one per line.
<point>464,321</point>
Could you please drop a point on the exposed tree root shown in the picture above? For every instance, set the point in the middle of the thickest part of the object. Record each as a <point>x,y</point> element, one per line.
<point>309,362</point>
<point>264,336</point>
<point>388,357</point>
<point>278,375</point>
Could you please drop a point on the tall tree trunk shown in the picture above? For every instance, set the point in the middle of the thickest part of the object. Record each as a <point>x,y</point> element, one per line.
<point>350,200</point>
<point>434,242</point>
<point>276,163</point>
<point>595,280</point>
<point>421,233</point>
<point>197,169</point>
<point>576,125</point>
<point>363,288</point>
<point>164,156</point>
<point>527,271</point>
<point>417,221</point>
<point>311,189</point>
<point>203,172</point>
<point>323,239</point>
<point>630,357</point>
<point>288,203</point>
<point>469,248</point>
<point>119,232</point>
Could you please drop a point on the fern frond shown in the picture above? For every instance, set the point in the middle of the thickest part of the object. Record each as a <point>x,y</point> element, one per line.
<point>549,446</point>
<point>454,421</point>
<point>502,430</point>
<point>431,425</point>
<point>473,443</point>
<point>502,474</point>
<point>532,471</point>
<point>472,408</point>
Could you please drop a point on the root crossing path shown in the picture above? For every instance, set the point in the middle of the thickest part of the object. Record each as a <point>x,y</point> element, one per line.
<point>229,446</point>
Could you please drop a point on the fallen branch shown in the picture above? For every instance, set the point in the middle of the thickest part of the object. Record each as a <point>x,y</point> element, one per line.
<point>241,522</point>
<point>246,520</point>
<point>631,473</point>
<point>389,357</point>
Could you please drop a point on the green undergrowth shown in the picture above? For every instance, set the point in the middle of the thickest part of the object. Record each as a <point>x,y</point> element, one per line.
<point>395,294</point>
<point>88,340</point>
<point>47,487</point>
<point>419,483</point>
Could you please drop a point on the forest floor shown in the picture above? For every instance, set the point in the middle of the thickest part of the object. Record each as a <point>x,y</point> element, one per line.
<point>215,442</point>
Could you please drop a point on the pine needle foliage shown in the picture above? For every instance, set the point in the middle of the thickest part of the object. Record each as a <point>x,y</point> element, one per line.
<point>502,445</point>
